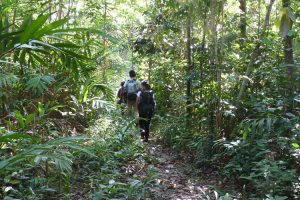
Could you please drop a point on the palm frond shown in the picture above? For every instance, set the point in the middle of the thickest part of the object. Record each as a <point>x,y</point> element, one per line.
<point>39,83</point>
<point>7,80</point>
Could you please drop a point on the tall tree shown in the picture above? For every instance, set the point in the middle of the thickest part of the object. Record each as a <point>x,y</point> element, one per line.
<point>243,22</point>
<point>256,52</point>
<point>203,44</point>
<point>189,68</point>
<point>214,111</point>
<point>287,19</point>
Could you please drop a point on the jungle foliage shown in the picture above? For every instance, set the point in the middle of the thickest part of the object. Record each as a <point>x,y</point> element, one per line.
<point>226,80</point>
<point>232,68</point>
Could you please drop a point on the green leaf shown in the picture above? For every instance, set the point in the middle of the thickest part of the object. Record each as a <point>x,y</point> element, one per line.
<point>4,163</point>
<point>41,109</point>
<point>45,44</point>
<point>73,54</point>
<point>55,108</point>
<point>68,30</point>
<point>297,146</point>
<point>48,28</point>
<point>291,14</point>
<point>33,27</point>
<point>266,41</point>
<point>14,136</point>
<point>245,136</point>
<point>23,57</point>
<point>29,118</point>
<point>7,80</point>
<point>39,83</point>
<point>65,45</point>
<point>27,21</point>
<point>82,149</point>
<point>20,119</point>
<point>39,59</point>
<point>9,35</point>
<point>85,93</point>
<point>27,46</point>
<point>32,61</point>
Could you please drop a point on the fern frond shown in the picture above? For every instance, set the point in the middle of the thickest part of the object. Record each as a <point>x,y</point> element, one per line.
<point>104,89</point>
<point>39,83</point>
<point>7,80</point>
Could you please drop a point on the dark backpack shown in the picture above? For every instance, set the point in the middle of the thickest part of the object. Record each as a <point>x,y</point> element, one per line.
<point>147,103</point>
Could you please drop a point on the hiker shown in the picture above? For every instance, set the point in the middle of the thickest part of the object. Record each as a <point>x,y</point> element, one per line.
<point>122,94</point>
<point>146,106</point>
<point>132,86</point>
<point>122,97</point>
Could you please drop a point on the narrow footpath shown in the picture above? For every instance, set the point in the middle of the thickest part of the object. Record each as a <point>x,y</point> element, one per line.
<point>177,179</point>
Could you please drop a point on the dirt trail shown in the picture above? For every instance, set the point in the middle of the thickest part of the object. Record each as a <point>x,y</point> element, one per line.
<point>176,179</point>
<point>172,180</point>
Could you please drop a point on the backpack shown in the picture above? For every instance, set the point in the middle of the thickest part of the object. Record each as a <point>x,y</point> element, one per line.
<point>147,104</point>
<point>132,89</point>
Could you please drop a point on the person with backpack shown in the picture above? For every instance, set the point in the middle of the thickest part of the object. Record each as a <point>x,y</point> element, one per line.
<point>122,97</point>
<point>132,87</point>
<point>146,106</point>
<point>121,94</point>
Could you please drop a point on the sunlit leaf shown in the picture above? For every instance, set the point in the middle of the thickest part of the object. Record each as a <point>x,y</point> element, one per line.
<point>33,28</point>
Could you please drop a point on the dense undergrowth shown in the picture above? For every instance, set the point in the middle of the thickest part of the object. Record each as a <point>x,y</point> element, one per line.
<point>96,165</point>
<point>226,85</point>
<point>228,96</point>
<point>265,166</point>
<point>61,136</point>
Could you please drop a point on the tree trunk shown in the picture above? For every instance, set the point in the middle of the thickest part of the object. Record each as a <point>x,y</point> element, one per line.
<point>14,20</point>
<point>259,18</point>
<point>219,72</point>
<point>256,52</point>
<point>203,43</point>
<point>104,40</point>
<point>288,56</point>
<point>243,23</point>
<point>50,11</point>
<point>214,113</point>
<point>150,64</point>
<point>60,10</point>
<point>189,69</point>
<point>70,4</point>
<point>289,61</point>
